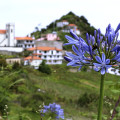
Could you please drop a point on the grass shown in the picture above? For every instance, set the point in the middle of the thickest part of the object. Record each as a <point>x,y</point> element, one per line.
<point>62,87</point>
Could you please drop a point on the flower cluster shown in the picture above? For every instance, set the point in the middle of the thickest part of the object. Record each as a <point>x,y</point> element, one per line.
<point>54,108</point>
<point>99,51</point>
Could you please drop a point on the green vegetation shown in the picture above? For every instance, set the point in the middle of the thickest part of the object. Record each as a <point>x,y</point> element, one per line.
<point>81,22</point>
<point>44,68</point>
<point>25,89</point>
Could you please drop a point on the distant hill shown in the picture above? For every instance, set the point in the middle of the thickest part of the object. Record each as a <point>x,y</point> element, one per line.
<point>81,22</point>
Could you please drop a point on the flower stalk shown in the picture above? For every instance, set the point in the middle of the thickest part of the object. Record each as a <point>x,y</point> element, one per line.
<point>100,52</point>
<point>100,108</point>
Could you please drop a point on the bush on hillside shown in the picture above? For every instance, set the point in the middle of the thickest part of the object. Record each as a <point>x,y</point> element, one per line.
<point>85,99</point>
<point>3,63</point>
<point>16,66</point>
<point>44,68</point>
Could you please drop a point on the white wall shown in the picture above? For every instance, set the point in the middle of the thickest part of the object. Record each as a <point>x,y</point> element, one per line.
<point>12,49</point>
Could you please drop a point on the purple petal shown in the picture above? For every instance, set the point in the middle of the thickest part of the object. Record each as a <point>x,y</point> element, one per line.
<point>71,55</point>
<point>67,58</point>
<point>118,60</point>
<point>118,27</point>
<point>107,61</point>
<point>108,66</point>
<point>93,40</point>
<point>80,67</point>
<point>96,69</point>
<point>116,57</point>
<point>72,62</point>
<point>74,35</point>
<point>103,57</point>
<point>103,71</point>
<point>75,49</point>
<point>98,59</point>
<point>97,65</point>
<point>115,48</point>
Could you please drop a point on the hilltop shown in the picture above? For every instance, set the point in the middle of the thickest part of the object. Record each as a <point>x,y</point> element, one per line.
<point>80,21</point>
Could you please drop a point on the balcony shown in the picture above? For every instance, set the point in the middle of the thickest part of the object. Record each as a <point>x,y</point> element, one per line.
<point>32,42</point>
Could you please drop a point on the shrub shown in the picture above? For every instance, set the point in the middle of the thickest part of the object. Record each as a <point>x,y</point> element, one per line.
<point>16,66</point>
<point>85,99</point>
<point>3,63</point>
<point>44,68</point>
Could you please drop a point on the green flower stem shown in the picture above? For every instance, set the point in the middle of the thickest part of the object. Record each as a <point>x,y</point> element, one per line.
<point>100,108</point>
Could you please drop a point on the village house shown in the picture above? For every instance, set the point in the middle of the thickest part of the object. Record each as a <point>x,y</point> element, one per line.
<point>71,27</point>
<point>62,23</point>
<point>33,61</point>
<point>13,60</point>
<point>52,55</point>
<point>49,37</point>
<point>25,42</point>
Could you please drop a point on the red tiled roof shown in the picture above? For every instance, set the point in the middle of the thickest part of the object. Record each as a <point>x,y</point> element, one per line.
<point>71,25</point>
<point>23,38</point>
<point>65,21</point>
<point>32,58</point>
<point>43,48</point>
<point>37,53</point>
<point>2,31</point>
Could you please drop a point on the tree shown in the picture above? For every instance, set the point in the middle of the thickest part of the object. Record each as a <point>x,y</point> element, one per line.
<point>44,68</point>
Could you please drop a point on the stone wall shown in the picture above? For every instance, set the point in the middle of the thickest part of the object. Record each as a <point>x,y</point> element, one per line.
<point>57,44</point>
<point>3,52</point>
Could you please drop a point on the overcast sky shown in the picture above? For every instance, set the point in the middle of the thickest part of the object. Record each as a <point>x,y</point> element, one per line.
<point>27,14</point>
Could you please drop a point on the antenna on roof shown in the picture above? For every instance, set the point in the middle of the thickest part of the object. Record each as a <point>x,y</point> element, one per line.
<point>39,29</point>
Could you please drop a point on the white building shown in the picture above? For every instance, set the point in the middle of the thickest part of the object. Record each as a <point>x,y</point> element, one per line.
<point>7,36</point>
<point>62,24</point>
<point>33,61</point>
<point>25,42</point>
<point>52,55</point>
<point>71,27</point>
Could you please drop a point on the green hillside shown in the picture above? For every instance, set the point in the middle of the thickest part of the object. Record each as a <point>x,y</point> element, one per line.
<point>76,92</point>
<point>80,21</point>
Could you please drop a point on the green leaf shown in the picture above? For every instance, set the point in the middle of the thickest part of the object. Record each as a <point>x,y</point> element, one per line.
<point>109,82</point>
<point>18,81</point>
<point>115,91</point>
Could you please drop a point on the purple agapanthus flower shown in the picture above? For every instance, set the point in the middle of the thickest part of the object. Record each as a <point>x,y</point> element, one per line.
<point>95,49</point>
<point>76,60</point>
<point>54,108</point>
<point>103,64</point>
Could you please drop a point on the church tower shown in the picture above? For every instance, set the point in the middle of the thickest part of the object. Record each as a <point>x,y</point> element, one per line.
<point>10,34</point>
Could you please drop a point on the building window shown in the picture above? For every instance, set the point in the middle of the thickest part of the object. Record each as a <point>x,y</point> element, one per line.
<point>51,52</point>
<point>40,56</point>
<point>39,51</point>
<point>57,51</point>
<point>18,41</point>
<point>57,56</point>
<point>11,30</point>
<point>27,41</point>
<point>32,45</point>
<point>50,56</point>
<point>45,51</point>
<point>45,56</point>
<point>6,36</point>
<point>25,46</point>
